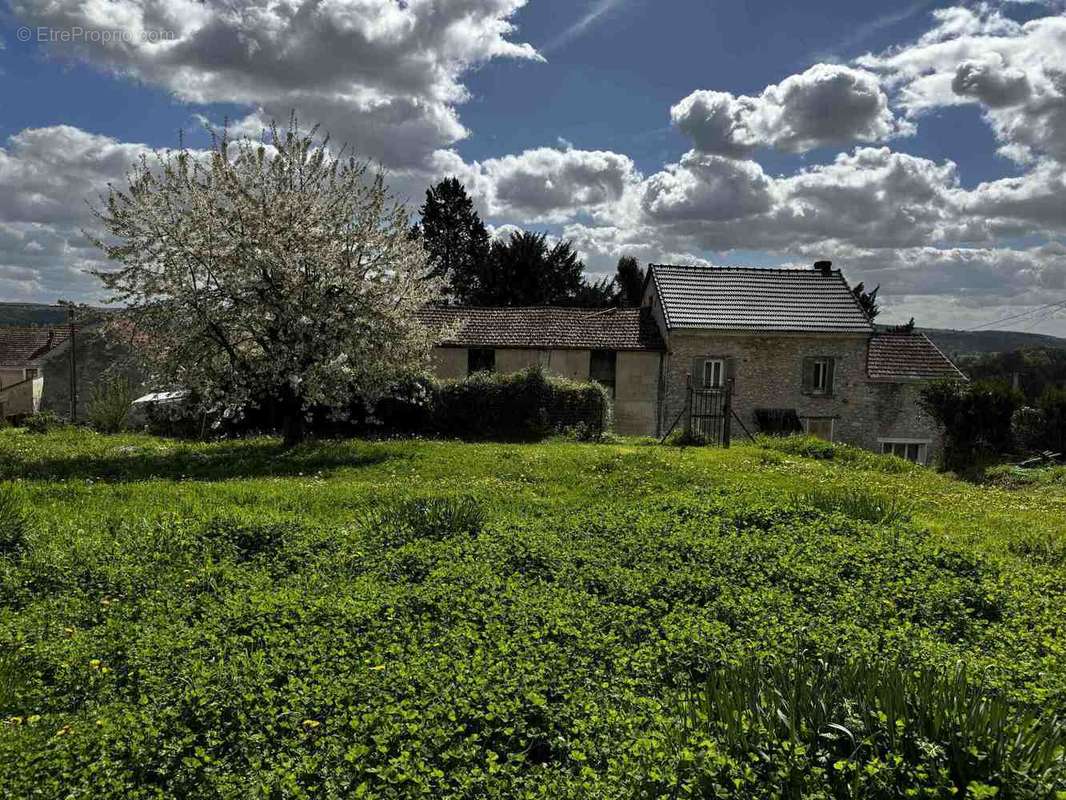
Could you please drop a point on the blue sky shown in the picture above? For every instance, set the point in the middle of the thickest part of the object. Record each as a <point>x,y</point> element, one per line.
<point>918,145</point>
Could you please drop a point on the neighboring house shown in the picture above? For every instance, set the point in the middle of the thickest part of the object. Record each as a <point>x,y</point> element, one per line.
<point>621,348</point>
<point>789,344</point>
<point>35,368</point>
<point>23,353</point>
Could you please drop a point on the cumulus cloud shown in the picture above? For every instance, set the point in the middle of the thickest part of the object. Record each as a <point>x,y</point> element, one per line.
<point>543,184</point>
<point>384,77</point>
<point>50,175</point>
<point>706,187</point>
<point>828,104</point>
<point>1016,72</point>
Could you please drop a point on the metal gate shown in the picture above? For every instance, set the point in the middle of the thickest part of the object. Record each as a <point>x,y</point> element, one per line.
<point>709,413</point>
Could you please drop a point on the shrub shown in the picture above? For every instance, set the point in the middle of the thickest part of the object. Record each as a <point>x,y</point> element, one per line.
<point>522,405</point>
<point>12,521</point>
<point>1029,428</point>
<point>975,417</point>
<point>109,403</point>
<point>1052,405</point>
<point>44,422</point>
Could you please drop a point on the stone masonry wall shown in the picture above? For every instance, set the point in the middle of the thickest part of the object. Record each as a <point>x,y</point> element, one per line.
<point>768,373</point>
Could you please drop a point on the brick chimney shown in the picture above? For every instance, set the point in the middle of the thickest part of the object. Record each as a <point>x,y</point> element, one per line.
<point>824,267</point>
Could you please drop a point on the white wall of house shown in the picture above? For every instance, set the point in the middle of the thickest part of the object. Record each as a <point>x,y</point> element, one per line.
<point>636,377</point>
<point>21,399</point>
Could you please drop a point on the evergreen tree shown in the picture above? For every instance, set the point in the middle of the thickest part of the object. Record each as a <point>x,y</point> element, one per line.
<point>629,280</point>
<point>525,271</point>
<point>455,238</point>
<point>867,300</point>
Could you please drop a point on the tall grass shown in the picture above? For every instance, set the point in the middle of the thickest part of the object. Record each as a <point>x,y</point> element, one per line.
<point>851,713</point>
<point>13,523</point>
<point>858,505</point>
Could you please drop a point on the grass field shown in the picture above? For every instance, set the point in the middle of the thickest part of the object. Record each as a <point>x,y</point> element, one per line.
<point>436,619</point>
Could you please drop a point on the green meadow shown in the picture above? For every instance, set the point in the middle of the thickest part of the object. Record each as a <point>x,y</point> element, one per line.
<point>438,619</point>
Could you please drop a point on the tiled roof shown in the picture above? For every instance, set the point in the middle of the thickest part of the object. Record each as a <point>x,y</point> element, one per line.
<point>546,327</point>
<point>19,346</point>
<point>757,299</point>
<point>907,356</point>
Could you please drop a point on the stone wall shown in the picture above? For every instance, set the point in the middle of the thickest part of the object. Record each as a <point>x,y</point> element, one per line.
<point>768,373</point>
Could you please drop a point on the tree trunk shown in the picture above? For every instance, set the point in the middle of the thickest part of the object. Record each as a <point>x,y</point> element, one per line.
<point>293,429</point>
<point>293,426</point>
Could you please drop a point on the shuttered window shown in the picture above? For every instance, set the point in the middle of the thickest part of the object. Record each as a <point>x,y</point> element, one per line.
<point>818,375</point>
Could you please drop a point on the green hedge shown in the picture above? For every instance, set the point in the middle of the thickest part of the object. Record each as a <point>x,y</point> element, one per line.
<point>521,405</point>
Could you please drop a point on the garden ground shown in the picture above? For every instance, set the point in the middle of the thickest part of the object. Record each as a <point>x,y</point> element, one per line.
<point>425,618</point>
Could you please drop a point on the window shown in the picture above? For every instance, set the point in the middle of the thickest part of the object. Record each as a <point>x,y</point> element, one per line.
<point>480,359</point>
<point>911,449</point>
<point>31,373</point>
<point>713,373</point>
<point>821,427</point>
<point>818,375</point>
<point>602,366</point>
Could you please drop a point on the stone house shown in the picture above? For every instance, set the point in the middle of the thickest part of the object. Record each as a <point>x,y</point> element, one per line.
<point>788,344</point>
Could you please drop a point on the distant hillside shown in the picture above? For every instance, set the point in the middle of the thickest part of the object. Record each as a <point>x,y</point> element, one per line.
<point>35,314</point>
<point>956,343</point>
<point>952,342</point>
<point>31,314</point>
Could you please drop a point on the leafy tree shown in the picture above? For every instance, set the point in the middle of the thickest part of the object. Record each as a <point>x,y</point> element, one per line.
<point>455,238</point>
<point>629,278</point>
<point>975,418</point>
<point>525,271</point>
<point>279,271</point>
<point>867,299</point>
<point>596,294</point>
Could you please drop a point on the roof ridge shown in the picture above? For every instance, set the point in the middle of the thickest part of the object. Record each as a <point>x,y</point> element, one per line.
<point>738,268</point>
<point>589,309</point>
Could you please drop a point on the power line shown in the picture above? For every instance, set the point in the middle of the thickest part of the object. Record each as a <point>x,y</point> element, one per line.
<point>1050,307</point>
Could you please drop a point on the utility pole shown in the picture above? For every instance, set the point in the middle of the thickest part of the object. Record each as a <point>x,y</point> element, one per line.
<point>72,330</point>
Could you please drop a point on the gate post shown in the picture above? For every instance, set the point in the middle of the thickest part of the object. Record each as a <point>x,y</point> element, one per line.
<point>688,407</point>
<point>727,414</point>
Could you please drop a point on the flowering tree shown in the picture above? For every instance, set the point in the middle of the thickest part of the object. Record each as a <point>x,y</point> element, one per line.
<point>267,272</point>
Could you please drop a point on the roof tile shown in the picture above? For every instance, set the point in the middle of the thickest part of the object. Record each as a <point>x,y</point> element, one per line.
<point>24,345</point>
<point>545,327</point>
<point>757,298</point>
<point>908,356</point>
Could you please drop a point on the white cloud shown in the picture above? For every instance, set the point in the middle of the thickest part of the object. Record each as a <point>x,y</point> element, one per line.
<point>828,104</point>
<point>383,76</point>
<point>1015,72</point>
<point>544,184</point>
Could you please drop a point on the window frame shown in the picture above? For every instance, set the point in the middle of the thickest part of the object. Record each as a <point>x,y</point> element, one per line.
<point>604,356</point>
<point>892,442</point>
<point>704,384</point>
<point>821,366</point>
<point>832,425</point>
<point>470,358</point>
